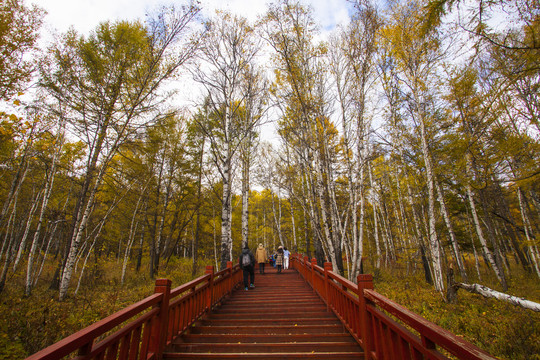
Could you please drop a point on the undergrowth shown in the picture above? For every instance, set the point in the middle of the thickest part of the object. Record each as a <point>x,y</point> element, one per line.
<point>500,328</point>
<point>29,324</point>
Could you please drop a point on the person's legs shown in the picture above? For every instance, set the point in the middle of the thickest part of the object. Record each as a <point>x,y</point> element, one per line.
<point>246,278</point>
<point>252,277</point>
<point>262,267</point>
<point>286,263</point>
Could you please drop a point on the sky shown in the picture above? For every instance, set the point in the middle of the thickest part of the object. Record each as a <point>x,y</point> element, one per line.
<point>85,15</point>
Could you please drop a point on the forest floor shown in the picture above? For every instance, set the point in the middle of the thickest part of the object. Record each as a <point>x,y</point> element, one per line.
<point>28,324</point>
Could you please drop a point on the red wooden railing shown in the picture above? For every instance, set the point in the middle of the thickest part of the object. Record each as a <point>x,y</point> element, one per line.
<point>153,322</point>
<point>384,329</point>
<point>367,316</point>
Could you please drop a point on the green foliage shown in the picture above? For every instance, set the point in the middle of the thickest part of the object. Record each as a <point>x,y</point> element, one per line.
<point>19,29</point>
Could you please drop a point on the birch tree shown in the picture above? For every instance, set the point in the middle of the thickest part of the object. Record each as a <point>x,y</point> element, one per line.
<point>57,147</point>
<point>353,67</point>
<point>109,84</point>
<point>300,87</point>
<point>472,115</point>
<point>417,57</point>
<point>255,105</point>
<point>228,56</point>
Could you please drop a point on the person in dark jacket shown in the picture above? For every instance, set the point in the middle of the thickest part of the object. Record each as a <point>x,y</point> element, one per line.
<point>247,264</point>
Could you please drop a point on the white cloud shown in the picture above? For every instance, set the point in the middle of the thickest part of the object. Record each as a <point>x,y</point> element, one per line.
<point>85,15</point>
<point>331,13</point>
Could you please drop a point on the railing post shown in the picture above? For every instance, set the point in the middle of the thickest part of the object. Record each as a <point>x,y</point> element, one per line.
<point>210,296</point>
<point>313,263</point>
<point>327,268</point>
<point>158,337</point>
<point>230,269</point>
<point>365,281</point>
<point>428,344</point>
<point>86,349</point>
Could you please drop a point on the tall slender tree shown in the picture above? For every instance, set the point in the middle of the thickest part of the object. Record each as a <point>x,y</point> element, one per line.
<point>108,83</point>
<point>228,55</point>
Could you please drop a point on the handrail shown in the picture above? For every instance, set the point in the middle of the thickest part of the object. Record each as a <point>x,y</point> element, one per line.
<point>365,313</point>
<point>155,321</point>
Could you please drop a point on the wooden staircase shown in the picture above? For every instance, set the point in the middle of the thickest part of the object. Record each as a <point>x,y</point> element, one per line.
<point>282,318</point>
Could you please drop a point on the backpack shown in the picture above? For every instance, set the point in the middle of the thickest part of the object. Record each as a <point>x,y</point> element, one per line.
<point>246,259</point>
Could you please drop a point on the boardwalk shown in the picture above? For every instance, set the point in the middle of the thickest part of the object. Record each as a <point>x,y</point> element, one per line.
<point>281,318</point>
<point>293,315</point>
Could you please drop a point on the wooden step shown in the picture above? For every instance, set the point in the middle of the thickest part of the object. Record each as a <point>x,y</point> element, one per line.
<point>287,347</point>
<point>271,329</point>
<point>272,300</point>
<point>281,318</point>
<point>268,356</point>
<point>266,322</point>
<point>258,314</point>
<point>304,305</point>
<point>263,338</point>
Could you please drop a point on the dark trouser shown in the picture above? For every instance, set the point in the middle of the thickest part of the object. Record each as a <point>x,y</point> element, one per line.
<point>249,274</point>
<point>261,267</point>
<point>279,268</point>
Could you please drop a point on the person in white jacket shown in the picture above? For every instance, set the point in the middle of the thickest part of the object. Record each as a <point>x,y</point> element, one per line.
<point>286,254</point>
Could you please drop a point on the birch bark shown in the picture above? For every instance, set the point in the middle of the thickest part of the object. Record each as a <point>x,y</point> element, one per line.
<point>433,239</point>
<point>453,240</point>
<point>533,249</point>
<point>479,232</point>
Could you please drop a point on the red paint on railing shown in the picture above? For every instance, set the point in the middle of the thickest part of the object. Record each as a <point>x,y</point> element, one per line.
<point>155,321</point>
<point>365,313</point>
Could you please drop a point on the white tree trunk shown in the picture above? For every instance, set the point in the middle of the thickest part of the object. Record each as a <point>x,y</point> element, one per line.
<point>338,233</point>
<point>47,248</point>
<point>374,202</point>
<point>418,231</point>
<point>533,250</point>
<point>84,265</point>
<point>293,224</point>
<point>44,204</point>
<point>324,213</point>
<point>245,197</point>
<point>29,220</point>
<point>226,212</point>
<point>277,218</point>
<point>490,293</point>
<point>453,240</point>
<point>131,236</point>
<point>478,227</point>
<point>433,239</point>
<point>77,237</point>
